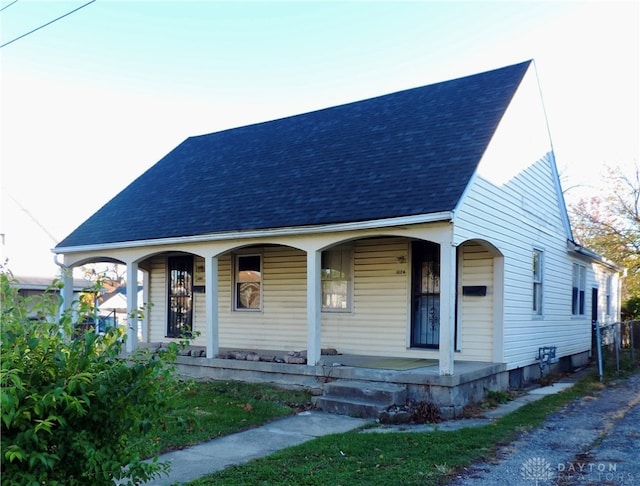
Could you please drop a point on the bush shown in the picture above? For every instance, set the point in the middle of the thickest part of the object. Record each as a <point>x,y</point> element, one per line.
<point>631,309</point>
<point>73,410</point>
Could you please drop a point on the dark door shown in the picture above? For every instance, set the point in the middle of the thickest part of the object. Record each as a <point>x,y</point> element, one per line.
<point>594,316</point>
<point>594,305</point>
<point>425,278</point>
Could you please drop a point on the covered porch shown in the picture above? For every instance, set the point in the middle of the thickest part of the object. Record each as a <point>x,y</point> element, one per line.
<point>419,378</point>
<point>402,304</point>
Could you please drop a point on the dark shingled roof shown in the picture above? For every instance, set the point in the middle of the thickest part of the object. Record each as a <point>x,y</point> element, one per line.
<point>407,153</point>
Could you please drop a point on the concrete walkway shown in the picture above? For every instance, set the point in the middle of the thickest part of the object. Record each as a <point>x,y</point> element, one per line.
<point>209,457</point>
<point>215,455</point>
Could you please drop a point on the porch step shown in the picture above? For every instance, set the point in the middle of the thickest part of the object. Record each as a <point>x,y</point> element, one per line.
<point>363,399</point>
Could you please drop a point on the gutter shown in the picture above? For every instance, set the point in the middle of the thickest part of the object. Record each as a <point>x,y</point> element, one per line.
<point>592,255</point>
<point>442,216</point>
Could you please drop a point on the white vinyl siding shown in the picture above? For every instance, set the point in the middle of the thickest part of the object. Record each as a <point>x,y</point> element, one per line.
<point>157,299</point>
<point>378,324</point>
<point>522,213</point>
<point>476,312</point>
<point>281,323</point>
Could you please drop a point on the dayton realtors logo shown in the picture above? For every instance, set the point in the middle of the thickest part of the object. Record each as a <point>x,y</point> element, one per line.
<point>537,469</point>
<point>540,471</point>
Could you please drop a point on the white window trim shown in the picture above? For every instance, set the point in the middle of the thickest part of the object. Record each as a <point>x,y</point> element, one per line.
<point>349,308</point>
<point>540,312</point>
<point>582,285</point>
<point>234,281</point>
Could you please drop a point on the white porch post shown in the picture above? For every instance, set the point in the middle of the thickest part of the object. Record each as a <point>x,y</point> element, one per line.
<point>313,307</point>
<point>132,306</point>
<point>145,301</point>
<point>447,306</point>
<point>66,275</point>
<point>211,294</point>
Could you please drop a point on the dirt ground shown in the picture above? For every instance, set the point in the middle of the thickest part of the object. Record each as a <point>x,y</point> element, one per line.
<point>591,441</point>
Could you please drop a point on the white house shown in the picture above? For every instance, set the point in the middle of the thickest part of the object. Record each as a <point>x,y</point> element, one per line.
<point>426,224</point>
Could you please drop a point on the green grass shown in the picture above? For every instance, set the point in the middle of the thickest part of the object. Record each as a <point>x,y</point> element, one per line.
<point>406,458</point>
<point>206,410</point>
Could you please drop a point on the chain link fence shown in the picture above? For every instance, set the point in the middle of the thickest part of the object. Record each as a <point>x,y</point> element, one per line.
<point>617,346</point>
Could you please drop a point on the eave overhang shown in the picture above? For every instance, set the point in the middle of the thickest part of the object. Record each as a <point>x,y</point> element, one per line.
<point>443,216</point>
<point>572,246</point>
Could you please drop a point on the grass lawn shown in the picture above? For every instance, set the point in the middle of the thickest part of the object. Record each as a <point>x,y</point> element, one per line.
<point>205,410</point>
<point>406,458</point>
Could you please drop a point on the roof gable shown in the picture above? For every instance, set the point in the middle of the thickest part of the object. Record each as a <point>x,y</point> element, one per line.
<point>408,153</point>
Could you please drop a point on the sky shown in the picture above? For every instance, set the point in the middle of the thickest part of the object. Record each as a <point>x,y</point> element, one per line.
<point>92,100</point>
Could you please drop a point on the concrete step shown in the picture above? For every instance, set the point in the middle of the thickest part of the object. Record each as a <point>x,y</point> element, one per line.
<point>370,391</point>
<point>363,399</point>
<point>351,407</point>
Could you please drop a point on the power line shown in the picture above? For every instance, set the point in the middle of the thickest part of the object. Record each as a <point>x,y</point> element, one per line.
<point>7,6</point>
<point>33,218</point>
<point>48,23</point>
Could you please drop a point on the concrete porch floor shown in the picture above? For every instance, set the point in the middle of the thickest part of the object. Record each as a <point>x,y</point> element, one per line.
<point>468,383</point>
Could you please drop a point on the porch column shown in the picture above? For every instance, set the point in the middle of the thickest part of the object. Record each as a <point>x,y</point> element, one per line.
<point>66,276</point>
<point>447,307</point>
<point>313,307</point>
<point>211,294</point>
<point>132,306</point>
<point>145,301</point>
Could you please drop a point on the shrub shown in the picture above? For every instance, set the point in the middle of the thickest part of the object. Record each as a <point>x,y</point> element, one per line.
<point>73,409</point>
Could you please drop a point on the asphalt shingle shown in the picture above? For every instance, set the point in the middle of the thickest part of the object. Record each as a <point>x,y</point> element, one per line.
<point>402,154</point>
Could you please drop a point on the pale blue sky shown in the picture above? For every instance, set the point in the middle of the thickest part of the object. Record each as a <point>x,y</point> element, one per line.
<point>96,98</point>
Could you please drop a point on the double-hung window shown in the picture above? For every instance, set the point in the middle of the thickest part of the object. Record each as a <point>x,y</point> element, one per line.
<point>537,282</point>
<point>336,279</point>
<point>248,282</point>
<point>609,292</point>
<point>578,293</point>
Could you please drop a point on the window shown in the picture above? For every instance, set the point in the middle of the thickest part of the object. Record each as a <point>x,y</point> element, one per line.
<point>248,282</point>
<point>579,284</point>
<point>336,279</point>
<point>609,290</point>
<point>180,295</point>
<point>537,282</point>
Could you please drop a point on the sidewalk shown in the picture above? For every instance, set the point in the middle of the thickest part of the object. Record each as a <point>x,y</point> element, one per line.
<point>209,457</point>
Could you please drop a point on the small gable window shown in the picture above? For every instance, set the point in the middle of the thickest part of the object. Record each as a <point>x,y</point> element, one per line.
<point>336,279</point>
<point>248,282</point>
<point>537,282</point>
<point>579,285</point>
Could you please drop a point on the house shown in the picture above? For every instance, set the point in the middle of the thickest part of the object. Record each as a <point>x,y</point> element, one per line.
<point>112,308</point>
<point>426,225</point>
<point>33,288</point>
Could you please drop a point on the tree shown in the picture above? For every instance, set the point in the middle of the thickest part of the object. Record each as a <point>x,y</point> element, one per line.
<point>73,410</point>
<point>609,223</point>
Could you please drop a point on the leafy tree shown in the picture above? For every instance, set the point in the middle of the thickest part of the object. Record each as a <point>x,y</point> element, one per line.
<point>609,223</point>
<point>74,411</point>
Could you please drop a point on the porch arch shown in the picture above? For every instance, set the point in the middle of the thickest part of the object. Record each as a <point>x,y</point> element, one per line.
<point>480,313</point>
<point>136,323</point>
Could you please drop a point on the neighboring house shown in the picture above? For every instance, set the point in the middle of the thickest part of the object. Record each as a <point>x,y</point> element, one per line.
<point>112,307</point>
<point>33,288</point>
<point>428,223</point>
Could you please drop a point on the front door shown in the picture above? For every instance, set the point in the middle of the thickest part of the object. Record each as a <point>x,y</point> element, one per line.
<point>425,278</point>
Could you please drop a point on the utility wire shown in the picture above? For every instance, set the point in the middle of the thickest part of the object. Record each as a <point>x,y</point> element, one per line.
<point>7,6</point>
<point>48,23</point>
<point>33,218</point>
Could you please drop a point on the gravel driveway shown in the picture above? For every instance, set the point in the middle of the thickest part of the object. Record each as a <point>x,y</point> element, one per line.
<point>591,441</point>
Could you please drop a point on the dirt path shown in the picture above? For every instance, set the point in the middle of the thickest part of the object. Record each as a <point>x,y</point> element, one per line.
<point>591,441</point>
